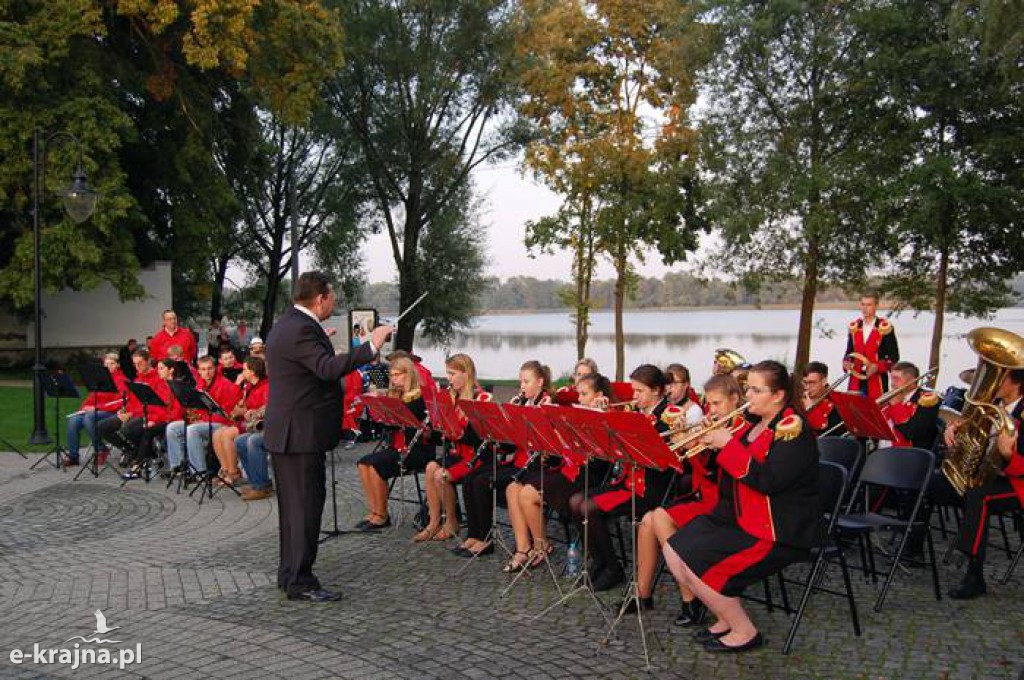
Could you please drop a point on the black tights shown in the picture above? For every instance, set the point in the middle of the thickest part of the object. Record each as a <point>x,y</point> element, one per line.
<point>599,540</point>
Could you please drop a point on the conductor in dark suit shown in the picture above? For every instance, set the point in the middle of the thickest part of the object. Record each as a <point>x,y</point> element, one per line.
<point>303,422</point>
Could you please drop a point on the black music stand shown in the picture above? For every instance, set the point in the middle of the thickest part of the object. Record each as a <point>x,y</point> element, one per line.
<point>147,396</point>
<point>96,379</point>
<point>190,397</point>
<point>183,372</point>
<point>57,385</point>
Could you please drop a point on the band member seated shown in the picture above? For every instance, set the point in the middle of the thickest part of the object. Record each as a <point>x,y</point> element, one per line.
<point>722,396</point>
<point>913,411</point>
<point>228,364</point>
<point>584,367</point>
<point>477,489</point>
<point>194,432</point>
<point>874,339</point>
<point>459,461</point>
<point>615,498</point>
<point>1003,493</point>
<point>819,409</point>
<point>767,514</point>
<point>95,409</point>
<point>143,431</point>
<point>247,416</point>
<point>125,431</point>
<point>681,394</point>
<point>403,456</point>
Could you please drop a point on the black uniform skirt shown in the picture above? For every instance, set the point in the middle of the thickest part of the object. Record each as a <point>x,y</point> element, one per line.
<point>727,558</point>
<point>387,461</point>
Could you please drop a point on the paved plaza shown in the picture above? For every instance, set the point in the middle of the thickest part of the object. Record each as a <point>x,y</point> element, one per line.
<point>194,586</point>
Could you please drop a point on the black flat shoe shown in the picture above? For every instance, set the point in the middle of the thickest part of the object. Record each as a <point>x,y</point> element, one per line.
<point>716,645</point>
<point>703,635</point>
<point>462,551</point>
<point>608,579</point>
<point>691,613</point>
<point>319,596</point>
<point>970,587</point>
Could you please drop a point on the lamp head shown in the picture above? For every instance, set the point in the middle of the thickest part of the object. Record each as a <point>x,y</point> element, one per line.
<point>79,198</point>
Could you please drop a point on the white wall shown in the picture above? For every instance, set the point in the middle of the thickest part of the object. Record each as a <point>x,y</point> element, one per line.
<point>98,318</point>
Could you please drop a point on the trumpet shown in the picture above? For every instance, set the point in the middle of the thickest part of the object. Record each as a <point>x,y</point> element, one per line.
<point>700,431</point>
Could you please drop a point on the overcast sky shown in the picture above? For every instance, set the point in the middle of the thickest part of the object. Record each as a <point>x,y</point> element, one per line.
<point>510,201</point>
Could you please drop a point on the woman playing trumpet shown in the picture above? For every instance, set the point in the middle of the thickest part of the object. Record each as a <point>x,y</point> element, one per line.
<point>615,498</point>
<point>459,461</point>
<point>767,514</point>
<point>722,396</point>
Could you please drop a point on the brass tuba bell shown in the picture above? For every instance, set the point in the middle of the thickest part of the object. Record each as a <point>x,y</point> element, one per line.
<point>973,460</point>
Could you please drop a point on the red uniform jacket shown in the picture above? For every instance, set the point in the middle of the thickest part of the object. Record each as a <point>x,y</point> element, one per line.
<point>226,394</point>
<point>150,378</point>
<point>880,348</point>
<point>824,417</point>
<point>163,340</point>
<point>1014,469</point>
<point>776,477</point>
<point>464,450</point>
<point>110,402</point>
<point>915,421</point>
<point>253,397</point>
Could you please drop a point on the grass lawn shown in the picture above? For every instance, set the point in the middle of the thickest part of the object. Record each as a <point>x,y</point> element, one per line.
<point>16,417</point>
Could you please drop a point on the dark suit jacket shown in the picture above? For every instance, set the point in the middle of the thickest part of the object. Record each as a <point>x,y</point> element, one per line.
<point>304,409</point>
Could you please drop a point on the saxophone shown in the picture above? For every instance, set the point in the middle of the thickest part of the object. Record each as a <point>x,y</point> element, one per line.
<point>972,460</point>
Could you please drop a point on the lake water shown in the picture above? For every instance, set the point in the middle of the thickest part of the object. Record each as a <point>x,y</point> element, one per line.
<point>500,343</point>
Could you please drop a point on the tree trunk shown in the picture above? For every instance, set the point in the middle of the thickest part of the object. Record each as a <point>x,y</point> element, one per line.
<point>621,274</point>
<point>269,305</point>
<point>810,292</point>
<point>408,291</point>
<point>217,294</point>
<point>941,291</point>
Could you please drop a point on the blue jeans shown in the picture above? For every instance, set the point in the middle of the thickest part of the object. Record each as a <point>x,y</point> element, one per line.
<point>253,457</point>
<point>86,421</point>
<point>197,437</point>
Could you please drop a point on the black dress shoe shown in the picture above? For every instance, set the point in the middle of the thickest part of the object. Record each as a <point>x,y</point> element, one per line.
<point>462,551</point>
<point>646,603</point>
<point>608,579</point>
<point>703,635</point>
<point>716,645</point>
<point>691,613</point>
<point>319,595</point>
<point>972,586</point>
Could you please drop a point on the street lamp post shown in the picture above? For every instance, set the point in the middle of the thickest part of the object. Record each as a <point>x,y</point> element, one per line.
<point>79,202</point>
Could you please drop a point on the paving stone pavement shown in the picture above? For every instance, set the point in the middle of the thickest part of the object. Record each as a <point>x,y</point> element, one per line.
<point>194,585</point>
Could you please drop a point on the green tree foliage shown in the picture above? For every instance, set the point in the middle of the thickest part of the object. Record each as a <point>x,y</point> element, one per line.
<point>958,199</point>
<point>152,88</point>
<point>424,89</point>
<point>596,75</point>
<point>795,141</point>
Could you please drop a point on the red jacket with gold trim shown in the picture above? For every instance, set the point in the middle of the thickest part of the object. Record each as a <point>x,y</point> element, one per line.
<point>880,348</point>
<point>464,450</point>
<point>1014,469</point>
<point>916,420</point>
<point>824,417</point>
<point>776,474</point>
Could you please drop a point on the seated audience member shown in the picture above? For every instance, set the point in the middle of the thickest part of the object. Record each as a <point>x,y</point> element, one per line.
<point>95,409</point>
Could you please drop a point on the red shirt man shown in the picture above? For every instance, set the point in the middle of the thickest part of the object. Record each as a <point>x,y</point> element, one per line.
<point>223,391</point>
<point>172,334</point>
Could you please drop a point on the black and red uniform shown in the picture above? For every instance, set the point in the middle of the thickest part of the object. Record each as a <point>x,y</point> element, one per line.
<point>767,514</point>
<point>462,458</point>
<point>824,417</point>
<point>916,420</point>
<point>390,461</point>
<point>1001,494</point>
<point>477,490</point>
<point>880,347</point>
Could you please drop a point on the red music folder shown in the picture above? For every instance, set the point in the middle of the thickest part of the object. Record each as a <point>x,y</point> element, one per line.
<point>591,427</point>
<point>390,411</point>
<point>862,416</point>
<point>488,420</point>
<point>444,416</point>
<point>637,440</point>
<point>541,434</point>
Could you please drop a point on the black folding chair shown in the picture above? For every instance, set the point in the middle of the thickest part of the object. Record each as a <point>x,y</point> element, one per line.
<point>845,452</point>
<point>893,470</point>
<point>832,481</point>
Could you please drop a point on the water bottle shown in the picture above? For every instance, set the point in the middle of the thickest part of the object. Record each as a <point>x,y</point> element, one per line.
<point>573,560</point>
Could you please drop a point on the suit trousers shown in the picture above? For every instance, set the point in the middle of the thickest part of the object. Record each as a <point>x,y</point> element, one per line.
<point>301,492</point>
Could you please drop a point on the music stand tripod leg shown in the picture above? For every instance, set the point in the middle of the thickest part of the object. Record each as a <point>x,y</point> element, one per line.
<point>331,533</point>
<point>583,582</point>
<point>494,533</point>
<point>11,447</point>
<point>632,591</point>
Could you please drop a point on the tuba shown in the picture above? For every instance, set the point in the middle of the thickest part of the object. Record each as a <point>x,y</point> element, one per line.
<point>972,459</point>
